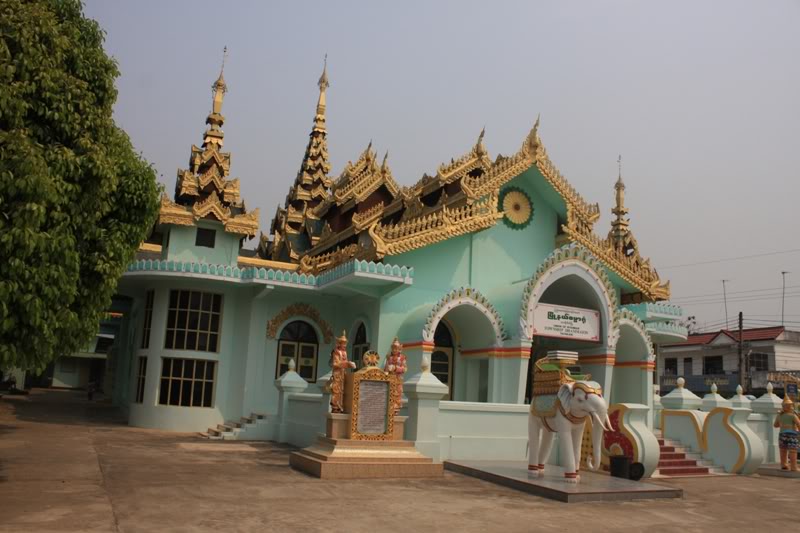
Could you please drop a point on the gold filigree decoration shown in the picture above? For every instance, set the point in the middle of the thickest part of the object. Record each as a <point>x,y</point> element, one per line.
<point>211,205</point>
<point>171,213</point>
<point>362,178</point>
<point>438,226</point>
<point>362,220</point>
<point>299,310</point>
<point>245,224</point>
<point>371,373</point>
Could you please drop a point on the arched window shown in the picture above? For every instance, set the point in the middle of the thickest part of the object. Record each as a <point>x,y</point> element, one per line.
<point>442,356</point>
<point>298,342</point>
<point>360,345</point>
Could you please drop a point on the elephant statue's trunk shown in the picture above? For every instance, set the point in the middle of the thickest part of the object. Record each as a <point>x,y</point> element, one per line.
<point>598,426</point>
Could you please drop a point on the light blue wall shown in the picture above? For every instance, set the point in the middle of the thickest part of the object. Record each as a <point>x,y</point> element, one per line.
<point>181,245</point>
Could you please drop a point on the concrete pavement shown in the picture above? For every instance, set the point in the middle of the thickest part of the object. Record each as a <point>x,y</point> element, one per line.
<point>68,465</point>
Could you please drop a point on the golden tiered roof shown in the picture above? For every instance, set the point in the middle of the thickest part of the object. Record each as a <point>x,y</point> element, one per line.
<point>365,214</point>
<point>204,190</point>
<point>295,227</point>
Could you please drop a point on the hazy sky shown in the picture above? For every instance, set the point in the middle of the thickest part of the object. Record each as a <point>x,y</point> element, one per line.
<point>699,97</point>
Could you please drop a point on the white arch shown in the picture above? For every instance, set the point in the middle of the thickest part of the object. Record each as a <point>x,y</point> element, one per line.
<point>571,266</point>
<point>469,297</point>
<point>628,319</point>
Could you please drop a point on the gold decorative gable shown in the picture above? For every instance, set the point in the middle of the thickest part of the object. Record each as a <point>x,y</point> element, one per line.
<point>211,206</point>
<point>361,179</point>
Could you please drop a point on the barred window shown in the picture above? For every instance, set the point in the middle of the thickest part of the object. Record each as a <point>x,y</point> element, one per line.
<point>187,382</point>
<point>193,321</point>
<point>298,342</point>
<point>671,367</point>
<point>140,378</point>
<point>759,361</point>
<point>148,319</point>
<point>713,365</point>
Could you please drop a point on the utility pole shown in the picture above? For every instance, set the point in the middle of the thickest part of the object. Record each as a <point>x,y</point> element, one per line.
<point>725,298</point>
<point>783,294</point>
<point>741,346</point>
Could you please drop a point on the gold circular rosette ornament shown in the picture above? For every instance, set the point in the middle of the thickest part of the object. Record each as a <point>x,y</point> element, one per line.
<point>517,207</point>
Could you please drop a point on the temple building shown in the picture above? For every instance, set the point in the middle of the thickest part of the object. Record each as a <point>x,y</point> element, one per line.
<point>480,268</point>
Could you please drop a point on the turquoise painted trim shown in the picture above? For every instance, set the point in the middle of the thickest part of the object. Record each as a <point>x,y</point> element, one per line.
<point>664,331</point>
<point>655,311</point>
<point>354,269</point>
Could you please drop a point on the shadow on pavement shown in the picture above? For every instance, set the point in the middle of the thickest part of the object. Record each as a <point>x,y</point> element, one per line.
<point>48,406</point>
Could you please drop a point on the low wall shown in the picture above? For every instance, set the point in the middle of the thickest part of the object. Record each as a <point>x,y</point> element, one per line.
<point>761,425</point>
<point>469,430</point>
<point>304,421</point>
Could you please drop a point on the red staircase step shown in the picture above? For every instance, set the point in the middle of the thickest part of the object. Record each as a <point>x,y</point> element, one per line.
<point>672,455</point>
<point>667,449</point>
<point>683,470</point>
<point>676,462</point>
<point>660,442</point>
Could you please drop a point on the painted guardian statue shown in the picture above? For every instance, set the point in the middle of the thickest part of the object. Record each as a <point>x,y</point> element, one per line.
<point>561,404</point>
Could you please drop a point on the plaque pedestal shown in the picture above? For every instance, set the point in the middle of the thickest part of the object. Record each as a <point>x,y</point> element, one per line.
<point>366,441</point>
<point>336,456</point>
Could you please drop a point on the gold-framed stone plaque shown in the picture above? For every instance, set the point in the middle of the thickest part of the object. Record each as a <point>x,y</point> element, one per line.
<point>372,416</point>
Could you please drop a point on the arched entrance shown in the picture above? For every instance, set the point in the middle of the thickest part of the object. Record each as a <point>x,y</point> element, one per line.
<point>572,278</point>
<point>635,362</point>
<point>465,331</point>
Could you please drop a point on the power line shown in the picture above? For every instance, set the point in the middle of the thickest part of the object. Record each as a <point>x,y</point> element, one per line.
<point>753,298</point>
<point>766,289</point>
<point>714,261</point>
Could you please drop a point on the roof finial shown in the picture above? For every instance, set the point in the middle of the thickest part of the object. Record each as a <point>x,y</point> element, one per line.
<point>323,79</point>
<point>215,120</point>
<point>619,168</point>
<point>319,120</point>
<point>619,226</point>
<point>385,158</point>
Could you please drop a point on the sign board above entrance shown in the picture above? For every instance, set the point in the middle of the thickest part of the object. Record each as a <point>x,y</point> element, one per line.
<point>562,322</point>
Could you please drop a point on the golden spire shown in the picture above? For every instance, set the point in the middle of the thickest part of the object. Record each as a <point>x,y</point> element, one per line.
<point>619,226</point>
<point>319,120</point>
<point>215,119</point>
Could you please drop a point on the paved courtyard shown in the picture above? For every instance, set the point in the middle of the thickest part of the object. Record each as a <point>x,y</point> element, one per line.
<point>70,465</point>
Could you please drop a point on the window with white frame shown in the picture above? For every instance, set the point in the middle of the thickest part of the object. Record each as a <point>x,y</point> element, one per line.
<point>193,321</point>
<point>187,382</point>
<point>141,373</point>
<point>360,345</point>
<point>759,362</point>
<point>298,342</point>
<point>148,319</point>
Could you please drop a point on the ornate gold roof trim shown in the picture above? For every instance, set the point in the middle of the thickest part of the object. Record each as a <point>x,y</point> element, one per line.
<point>363,220</point>
<point>150,247</point>
<point>171,213</point>
<point>244,224</point>
<point>361,179</point>
<point>211,205</point>
<point>266,263</point>
<point>320,263</point>
<point>631,268</point>
<point>437,226</point>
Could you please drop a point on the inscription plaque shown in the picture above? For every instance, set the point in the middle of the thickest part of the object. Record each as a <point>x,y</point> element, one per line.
<point>373,403</point>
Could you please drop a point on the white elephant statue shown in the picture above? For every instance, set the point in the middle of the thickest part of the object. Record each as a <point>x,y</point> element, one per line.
<point>565,414</point>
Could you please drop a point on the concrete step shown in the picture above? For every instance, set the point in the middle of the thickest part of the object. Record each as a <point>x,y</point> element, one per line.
<point>225,428</point>
<point>233,424</point>
<point>258,416</point>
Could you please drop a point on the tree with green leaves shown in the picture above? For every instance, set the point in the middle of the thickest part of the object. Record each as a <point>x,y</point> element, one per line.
<point>76,200</point>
